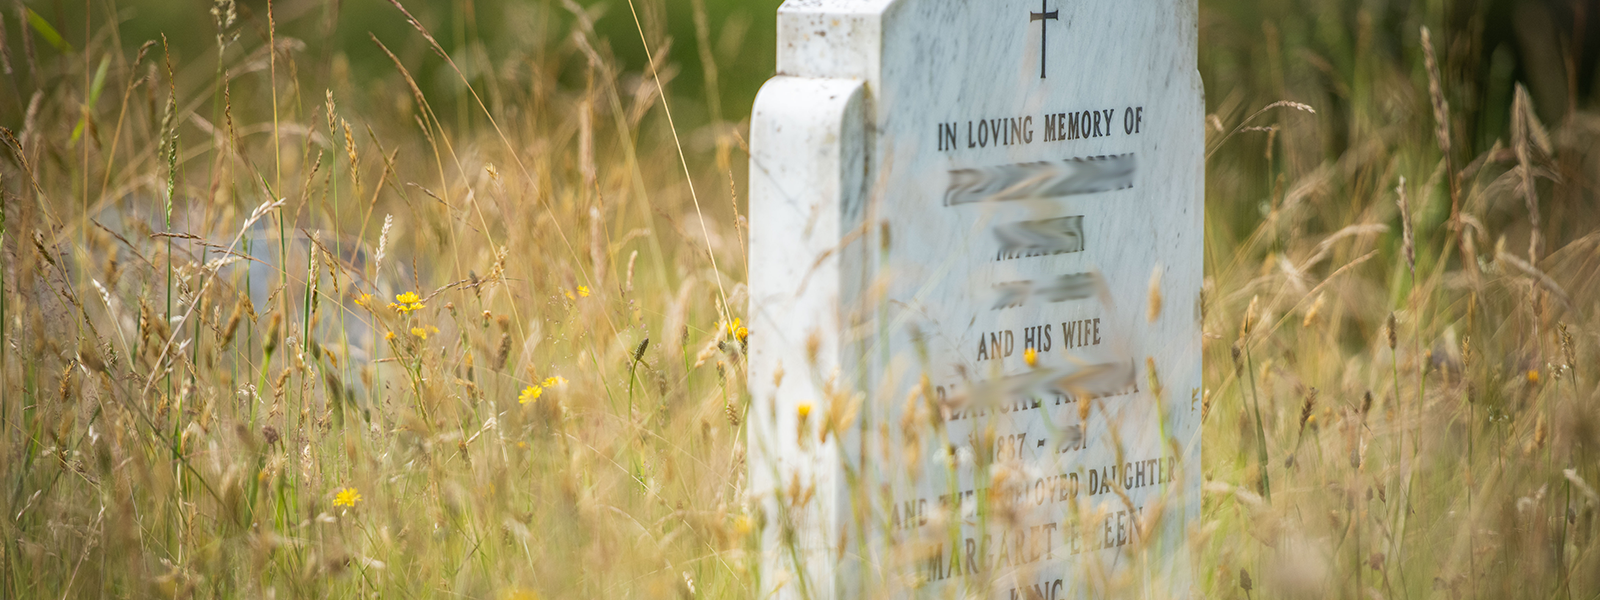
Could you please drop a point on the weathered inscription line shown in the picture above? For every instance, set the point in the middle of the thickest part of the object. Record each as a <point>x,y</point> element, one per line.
<point>1040,238</point>
<point>1028,391</point>
<point>1073,286</point>
<point>1046,179</point>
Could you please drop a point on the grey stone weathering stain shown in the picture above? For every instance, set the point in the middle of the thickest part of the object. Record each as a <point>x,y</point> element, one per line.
<point>956,213</point>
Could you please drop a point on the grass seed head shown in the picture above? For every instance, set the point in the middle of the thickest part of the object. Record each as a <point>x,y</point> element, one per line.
<point>5,48</point>
<point>1308,408</point>
<point>1392,331</point>
<point>1408,244</point>
<point>1249,318</point>
<point>383,243</point>
<point>1567,347</point>
<point>352,156</point>
<point>1313,312</point>
<point>503,352</point>
<point>1541,433</point>
<point>1441,106</point>
<point>274,334</point>
<point>233,324</point>
<point>64,388</point>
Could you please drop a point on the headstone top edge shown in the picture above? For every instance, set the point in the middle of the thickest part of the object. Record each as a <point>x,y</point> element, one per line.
<point>872,7</point>
<point>783,82</point>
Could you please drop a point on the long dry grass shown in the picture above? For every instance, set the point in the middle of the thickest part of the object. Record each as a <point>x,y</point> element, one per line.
<point>274,329</point>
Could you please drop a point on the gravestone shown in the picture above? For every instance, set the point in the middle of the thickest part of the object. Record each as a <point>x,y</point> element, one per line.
<point>975,277</point>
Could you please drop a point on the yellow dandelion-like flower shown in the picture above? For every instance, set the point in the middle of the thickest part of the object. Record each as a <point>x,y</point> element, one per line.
<point>583,291</point>
<point>1533,377</point>
<point>407,302</point>
<point>738,331</point>
<point>419,332</point>
<point>1031,357</point>
<point>347,497</point>
<point>804,410</point>
<point>530,394</point>
<point>554,381</point>
<point>389,336</point>
<point>569,295</point>
<point>363,300</point>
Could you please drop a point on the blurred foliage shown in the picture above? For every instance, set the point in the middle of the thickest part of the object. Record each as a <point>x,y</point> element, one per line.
<point>498,35</point>
<point>1360,64</point>
<point>1323,52</point>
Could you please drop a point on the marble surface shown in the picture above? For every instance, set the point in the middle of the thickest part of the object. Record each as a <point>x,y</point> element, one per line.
<point>935,187</point>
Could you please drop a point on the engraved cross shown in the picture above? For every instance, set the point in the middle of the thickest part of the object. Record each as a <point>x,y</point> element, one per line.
<point>1041,16</point>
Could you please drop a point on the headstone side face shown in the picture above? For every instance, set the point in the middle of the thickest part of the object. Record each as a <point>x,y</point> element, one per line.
<point>975,296</point>
<point>807,147</point>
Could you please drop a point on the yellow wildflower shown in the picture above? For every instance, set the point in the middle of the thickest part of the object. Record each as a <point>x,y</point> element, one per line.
<point>1031,357</point>
<point>419,332</point>
<point>347,497</point>
<point>530,394</point>
<point>389,336</point>
<point>406,302</point>
<point>583,291</point>
<point>804,410</point>
<point>363,299</point>
<point>554,381</point>
<point>569,295</point>
<point>738,331</point>
<point>1533,377</point>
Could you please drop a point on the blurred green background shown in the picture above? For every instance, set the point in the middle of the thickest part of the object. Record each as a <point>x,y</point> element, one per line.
<point>479,34</point>
<point>1323,52</point>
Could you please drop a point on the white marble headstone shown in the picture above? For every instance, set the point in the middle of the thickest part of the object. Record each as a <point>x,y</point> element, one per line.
<point>960,211</point>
